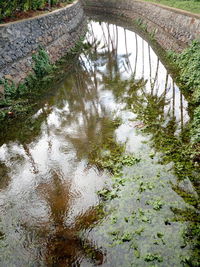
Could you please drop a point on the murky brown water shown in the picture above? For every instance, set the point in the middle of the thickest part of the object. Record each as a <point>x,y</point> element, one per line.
<point>50,210</point>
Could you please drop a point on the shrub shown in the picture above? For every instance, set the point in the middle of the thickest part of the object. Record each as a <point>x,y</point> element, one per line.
<point>10,90</point>
<point>42,67</point>
<point>9,7</point>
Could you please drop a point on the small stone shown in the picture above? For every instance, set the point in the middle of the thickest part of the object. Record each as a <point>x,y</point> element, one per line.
<point>8,59</point>
<point>10,113</point>
<point>8,77</point>
<point>1,89</point>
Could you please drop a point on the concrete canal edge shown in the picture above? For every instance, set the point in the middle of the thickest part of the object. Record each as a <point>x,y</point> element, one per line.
<point>172,28</point>
<point>57,32</point>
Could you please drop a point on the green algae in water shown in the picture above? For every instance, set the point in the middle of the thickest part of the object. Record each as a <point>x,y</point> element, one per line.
<point>128,216</point>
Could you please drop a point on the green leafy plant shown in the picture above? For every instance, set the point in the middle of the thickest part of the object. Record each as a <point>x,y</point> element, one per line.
<point>19,98</point>
<point>195,131</point>
<point>152,257</point>
<point>9,8</point>
<point>188,63</point>
<point>42,65</point>
<point>10,89</point>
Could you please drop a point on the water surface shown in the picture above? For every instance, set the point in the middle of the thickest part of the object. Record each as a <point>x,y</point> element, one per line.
<point>119,99</point>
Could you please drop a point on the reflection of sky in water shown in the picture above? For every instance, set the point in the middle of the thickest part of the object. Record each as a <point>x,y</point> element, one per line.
<point>53,150</point>
<point>136,56</point>
<point>53,153</point>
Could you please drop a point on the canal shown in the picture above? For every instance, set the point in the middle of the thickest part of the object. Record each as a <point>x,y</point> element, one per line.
<point>99,174</point>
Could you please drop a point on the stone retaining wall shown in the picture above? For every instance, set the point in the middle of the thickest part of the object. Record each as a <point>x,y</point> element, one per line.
<point>172,28</point>
<point>57,31</point>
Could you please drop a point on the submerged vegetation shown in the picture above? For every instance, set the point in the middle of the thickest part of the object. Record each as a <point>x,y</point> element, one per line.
<point>139,207</point>
<point>151,219</point>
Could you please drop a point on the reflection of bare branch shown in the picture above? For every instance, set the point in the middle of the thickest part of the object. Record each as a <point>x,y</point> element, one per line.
<point>143,57</point>
<point>32,161</point>
<point>48,130</point>
<point>136,54</point>
<point>110,41</point>
<point>155,78</point>
<point>116,45</point>
<point>93,35</point>
<point>114,36</point>
<point>173,98</point>
<point>181,108</point>
<point>127,55</point>
<point>166,84</point>
<point>150,71</point>
<point>105,39</point>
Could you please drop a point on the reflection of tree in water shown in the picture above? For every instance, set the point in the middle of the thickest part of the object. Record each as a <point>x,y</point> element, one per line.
<point>151,107</point>
<point>163,127</point>
<point>95,130</point>
<point>63,243</point>
<point>31,132</point>
<point>166,135</point>
<point>93,133</point>
<point>4,177</point>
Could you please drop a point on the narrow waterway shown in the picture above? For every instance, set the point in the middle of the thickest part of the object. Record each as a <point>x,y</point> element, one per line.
<point>99,175</point>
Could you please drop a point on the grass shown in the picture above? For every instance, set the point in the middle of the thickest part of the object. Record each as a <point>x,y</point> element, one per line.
<point>191,6</point>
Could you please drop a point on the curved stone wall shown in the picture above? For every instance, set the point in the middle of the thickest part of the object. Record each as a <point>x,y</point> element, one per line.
<point>173,29</point>
<point>57,31</point>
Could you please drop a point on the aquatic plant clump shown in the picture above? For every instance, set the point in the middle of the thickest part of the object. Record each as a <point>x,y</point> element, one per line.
<point>189,64</point>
